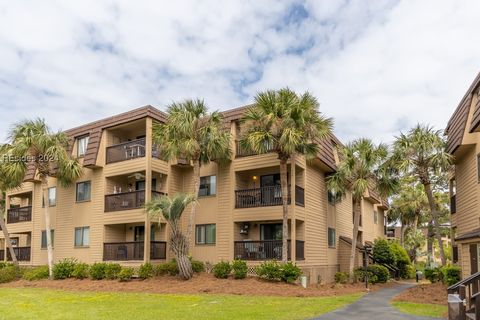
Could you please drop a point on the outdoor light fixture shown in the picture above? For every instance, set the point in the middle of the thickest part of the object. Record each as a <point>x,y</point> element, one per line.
<point>254,178</point>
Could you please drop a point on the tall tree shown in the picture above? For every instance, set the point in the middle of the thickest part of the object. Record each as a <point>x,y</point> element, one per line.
<point>421,153</point>
<point>363,165</point>
<point>172,210</point>
<point>4,185</point>
<point>33,143</point>
<point>193,134</point>
<point>286,123</point>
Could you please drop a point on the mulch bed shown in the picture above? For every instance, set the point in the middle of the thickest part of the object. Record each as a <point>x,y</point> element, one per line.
<point>201,284</point>
<point>435,293</point>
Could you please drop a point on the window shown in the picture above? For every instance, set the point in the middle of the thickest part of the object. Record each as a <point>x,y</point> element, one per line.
<point>83,191</point>
<point>205,234</point>
<point>82,236</point>
<point>208,186</point>
<point>375,217</point>
<point>334,198</point>
<point>455,254</point>
<point>82,144</point>
<point>332,239</point>
<point>52,196</point>
<point>271,231</point>
<point>44,238</point>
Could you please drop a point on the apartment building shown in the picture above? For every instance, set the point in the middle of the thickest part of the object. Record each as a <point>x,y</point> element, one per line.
<point>464,144</point>
<point>101,217</point>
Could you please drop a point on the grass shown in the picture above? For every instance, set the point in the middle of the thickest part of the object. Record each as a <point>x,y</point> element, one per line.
<point>421,309</point>
<point>55,304</point>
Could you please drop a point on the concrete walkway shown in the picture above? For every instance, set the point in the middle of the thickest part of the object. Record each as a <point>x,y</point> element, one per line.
<point>374,306</point>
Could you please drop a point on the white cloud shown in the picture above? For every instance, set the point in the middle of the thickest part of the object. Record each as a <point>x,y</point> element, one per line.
<point>377,67</point>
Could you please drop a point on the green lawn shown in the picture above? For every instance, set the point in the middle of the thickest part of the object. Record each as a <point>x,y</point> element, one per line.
<point>421,309</point>
<point>53,304</point>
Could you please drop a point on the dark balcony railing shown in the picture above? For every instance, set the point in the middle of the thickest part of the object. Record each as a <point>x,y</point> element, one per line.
<point>126,151</point>
<point>453,204</point>
<point>126,251</point>
<point>266,250</point>
<point>127,200</point>
<point>242,152</point>
<point>2,255</point>
<point>20,214</point>
<point>22,254</point>
<point>266,196</point>
<point>299,196</point>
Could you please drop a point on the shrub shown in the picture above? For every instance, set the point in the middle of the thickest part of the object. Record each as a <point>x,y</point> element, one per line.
<point>145,271</point>
<point>36,273</point>
<point>64,269</point>
<point>382,252</point>
<point>126,274</point>
<point>112,270</point>
<point>341,277</point>
<point>9,273</point>
<point>433,274</point>
<point>376,274</point>
<point>198,266</point>
<point>80,271</point>
<point>451,275</point>
<point>4,264</point>
<point>411,272</point>
<point>289,272</point>
<point>239,269</point>
<point>269,270</point>
<point>169,268</point>
<point>97,270</point>
<point>222,270</point>
<point>402,260</point>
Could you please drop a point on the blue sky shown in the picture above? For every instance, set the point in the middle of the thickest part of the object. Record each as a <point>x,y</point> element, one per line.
<point>377,67</point>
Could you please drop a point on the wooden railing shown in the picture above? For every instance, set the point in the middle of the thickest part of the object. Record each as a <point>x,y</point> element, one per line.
<point>453,204</point>
<point>126,251</point>
<point>468,290</point>
<point>259,197</point>
<point>299,196</point>
<point>20,214</point>
<point>266,250</point>
<point>126,151</point>
<point>124,201</point>
<point>22,254</point>
<point>242,152</point>
<point>2,255</point>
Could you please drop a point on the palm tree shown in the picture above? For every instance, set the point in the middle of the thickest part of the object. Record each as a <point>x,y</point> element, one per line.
<point>363,165</point>
<point>193,134</point>
<point>285,123</point>
<point>421,153</point>
<point>3,226</point>
<point>172,210</point>
<point>33,143</point>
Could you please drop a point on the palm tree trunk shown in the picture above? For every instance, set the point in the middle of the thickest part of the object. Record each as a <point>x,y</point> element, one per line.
<point>356,223</point>
<point>179,244</point>
<point>430,243</point>
<point>433,208</point>
<point>284,186</point>
<point>196,187</point>
<point>7,240</point>
<point>402,234</point>
<point>47,227</point>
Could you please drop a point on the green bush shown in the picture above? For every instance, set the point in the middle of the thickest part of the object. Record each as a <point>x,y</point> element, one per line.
<point>222,270</point>
<point>411,272</point>
<point>64,269</point>
<point>145,271</point>
<point>169,268</point>
<point>126,274</point>
<point>97,270</point>
<point>4,264</point>
<point>198,266</point>
<point>112,270</point>
<point>382,252</point>
<point>37,273</point>
<point>451,275</point>
<point>289,272</point>
<point>341,277</point>
<point>9,273</point>
<point>240,269</point>
<point>80,271</point>
<point>269,270</point>
<point>376,274</point>
<point>433,274</point>
<point>402,260</point>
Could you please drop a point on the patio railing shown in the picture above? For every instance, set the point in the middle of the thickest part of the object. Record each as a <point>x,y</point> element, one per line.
<point>126,251</point>
<point>22,254</point>
<point>20,214</point>
<point>266,196</point>
<point>266,250</point>
<point>126,151</point>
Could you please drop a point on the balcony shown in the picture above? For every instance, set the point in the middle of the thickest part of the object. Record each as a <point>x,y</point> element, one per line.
<point>2,255</point>
<point>20,214</point>
<point>266,196</point>
<point>242,152</point>
<point>128,251</point>
<point>126,151</point>
<point>453,204</point>
<point>22,253</point>
<point>266,250</point>
<point>127,200</point>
